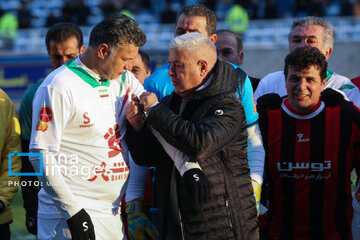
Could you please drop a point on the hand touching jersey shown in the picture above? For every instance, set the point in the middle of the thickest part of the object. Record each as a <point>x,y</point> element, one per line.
<point>147,99</point>
<point>137,109</point>
<point>134,113</point>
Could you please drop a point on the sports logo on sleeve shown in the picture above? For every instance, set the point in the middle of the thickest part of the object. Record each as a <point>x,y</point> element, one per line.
<point>45,118</point>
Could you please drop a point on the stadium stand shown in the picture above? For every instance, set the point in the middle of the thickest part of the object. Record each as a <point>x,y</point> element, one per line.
<point>263,34</point>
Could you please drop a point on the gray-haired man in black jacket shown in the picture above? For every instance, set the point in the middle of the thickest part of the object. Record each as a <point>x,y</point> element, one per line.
<point>200,148</point>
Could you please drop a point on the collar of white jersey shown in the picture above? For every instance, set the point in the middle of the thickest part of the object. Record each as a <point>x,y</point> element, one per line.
<point>86,74</point>
<point>310,115</point>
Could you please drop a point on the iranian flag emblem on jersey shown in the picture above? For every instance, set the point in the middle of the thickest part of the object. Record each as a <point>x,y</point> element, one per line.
<point>103,93</point>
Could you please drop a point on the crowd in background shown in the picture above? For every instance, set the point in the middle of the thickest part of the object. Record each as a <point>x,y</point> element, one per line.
<point>164,11</point>
<point>27,14</point>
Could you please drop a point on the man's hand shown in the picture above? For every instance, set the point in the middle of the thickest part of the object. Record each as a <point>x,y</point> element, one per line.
<point>139,226</point>
<point>81,226</point>
<point>31,207</point>
<point>147,99</point>
<point>257,194</point>
<point>31,223</point>
<point>134,113</point>
<point>197,184</point>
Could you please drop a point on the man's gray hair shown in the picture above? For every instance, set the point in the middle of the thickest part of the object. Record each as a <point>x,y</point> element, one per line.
<point>309,21</point>
<point>191,42</point>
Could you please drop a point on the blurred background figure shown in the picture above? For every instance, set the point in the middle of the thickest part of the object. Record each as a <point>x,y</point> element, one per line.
<point>82,12</point>
<point>168,15</point>
<point>271,11</point>
<point>347,8</point>
<point>237,17</point>
<point>76,11</point>
<point>107,7</point>
<point>67,12</point>
<point>51,20</point>
<point>8,29</point>
<point>357,9</point>
<point>24,16</point>
<point>229,47</point>
<point>141,66</point>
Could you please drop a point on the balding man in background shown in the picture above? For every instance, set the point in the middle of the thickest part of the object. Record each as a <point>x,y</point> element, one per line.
<point>141,66</point>
<point>229,47</point>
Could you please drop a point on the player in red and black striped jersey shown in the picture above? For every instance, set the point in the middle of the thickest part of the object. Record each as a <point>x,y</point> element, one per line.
<point>311,146</point>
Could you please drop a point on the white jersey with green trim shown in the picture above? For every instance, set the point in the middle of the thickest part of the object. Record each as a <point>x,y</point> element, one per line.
<point>82,120</point>
<point>275,83</point>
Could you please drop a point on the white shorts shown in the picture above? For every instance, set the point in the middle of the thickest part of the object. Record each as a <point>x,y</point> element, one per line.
<point>57,229</point>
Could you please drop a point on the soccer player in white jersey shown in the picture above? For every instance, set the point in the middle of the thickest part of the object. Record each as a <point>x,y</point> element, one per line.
<point>312,32</point>
<point>77,135</point>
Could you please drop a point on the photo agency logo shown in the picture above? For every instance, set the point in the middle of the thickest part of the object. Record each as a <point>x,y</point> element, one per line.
<point>56,164</point>
<point>15,153</point>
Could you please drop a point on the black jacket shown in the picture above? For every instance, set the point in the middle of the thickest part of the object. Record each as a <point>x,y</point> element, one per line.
<point>212,131</point>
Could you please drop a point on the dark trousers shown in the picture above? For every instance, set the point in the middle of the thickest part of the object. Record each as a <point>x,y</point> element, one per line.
<point>5,231</point>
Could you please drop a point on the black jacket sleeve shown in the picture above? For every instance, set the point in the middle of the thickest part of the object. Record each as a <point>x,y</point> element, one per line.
<point>209,129</point>
<point>143,146</point>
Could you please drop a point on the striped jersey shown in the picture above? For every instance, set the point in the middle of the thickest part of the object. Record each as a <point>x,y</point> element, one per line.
<point>309,159</point>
